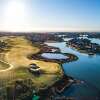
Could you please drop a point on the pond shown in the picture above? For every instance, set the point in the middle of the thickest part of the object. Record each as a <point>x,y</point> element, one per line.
<point>55,56</point>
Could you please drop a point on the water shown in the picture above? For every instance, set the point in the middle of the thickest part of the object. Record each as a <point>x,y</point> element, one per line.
<point>95,40</point>
<point>54,56</point>
<point>87,69</point>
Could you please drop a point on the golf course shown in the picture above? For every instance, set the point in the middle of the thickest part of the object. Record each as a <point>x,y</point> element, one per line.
<point>14,64</point>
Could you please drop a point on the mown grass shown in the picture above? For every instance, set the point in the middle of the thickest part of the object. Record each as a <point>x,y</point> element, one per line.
<point>17,56</point>
<point>3,65</point>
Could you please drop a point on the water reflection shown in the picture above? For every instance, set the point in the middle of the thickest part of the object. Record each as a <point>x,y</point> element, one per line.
<point>54,56</point>
<point>87,68</point>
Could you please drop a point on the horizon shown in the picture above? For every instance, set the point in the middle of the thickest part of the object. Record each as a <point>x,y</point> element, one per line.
<point>49,16</point>
<point>48,31</point>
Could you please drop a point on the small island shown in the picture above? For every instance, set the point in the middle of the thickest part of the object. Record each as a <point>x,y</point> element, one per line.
<point>84,45</point>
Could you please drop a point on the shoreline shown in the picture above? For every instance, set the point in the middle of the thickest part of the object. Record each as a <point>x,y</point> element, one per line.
<point>57,84</point>
<point>53,90</point>
<point>84,46</point>
<point>44,48</point>
<point>83,51</point>
<point>71,57</point>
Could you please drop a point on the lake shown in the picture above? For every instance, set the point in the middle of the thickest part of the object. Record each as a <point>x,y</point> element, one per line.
<point>86,68</point>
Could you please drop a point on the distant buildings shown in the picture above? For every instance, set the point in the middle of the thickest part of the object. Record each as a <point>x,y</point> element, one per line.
<point>44,37</point>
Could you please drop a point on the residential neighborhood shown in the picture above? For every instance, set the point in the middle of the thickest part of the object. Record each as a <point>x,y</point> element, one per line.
<point>84,45</point>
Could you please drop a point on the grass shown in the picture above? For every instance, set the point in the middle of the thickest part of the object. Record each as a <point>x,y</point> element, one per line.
<point>17,56</point>
<point>3,65</point>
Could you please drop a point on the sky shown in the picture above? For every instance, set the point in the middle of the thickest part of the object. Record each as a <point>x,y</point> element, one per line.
<point>49,15</point>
